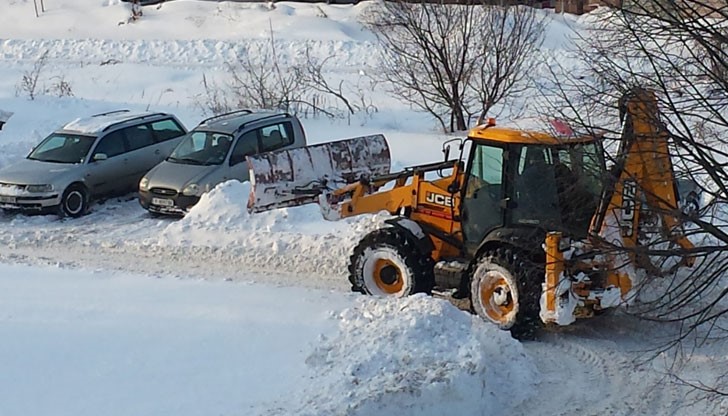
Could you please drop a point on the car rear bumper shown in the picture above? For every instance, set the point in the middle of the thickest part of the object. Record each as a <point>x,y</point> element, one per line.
<point>166,203</point>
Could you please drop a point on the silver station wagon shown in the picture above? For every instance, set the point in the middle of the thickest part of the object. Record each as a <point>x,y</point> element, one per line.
<point>214,152</point>
<point>102,155</point>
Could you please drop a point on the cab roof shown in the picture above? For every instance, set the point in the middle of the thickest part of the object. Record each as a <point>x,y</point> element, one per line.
<point>515,136</point>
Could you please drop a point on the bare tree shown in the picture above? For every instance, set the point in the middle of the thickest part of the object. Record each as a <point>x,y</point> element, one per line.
<point>677,49</point>
<point>263,79</point>
<point>512,37</point>
<point>30,81</point>
<point>263,82</point>
<point>442,57</point>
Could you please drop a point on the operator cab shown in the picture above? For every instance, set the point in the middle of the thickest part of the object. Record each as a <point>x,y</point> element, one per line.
<point>533,182</point>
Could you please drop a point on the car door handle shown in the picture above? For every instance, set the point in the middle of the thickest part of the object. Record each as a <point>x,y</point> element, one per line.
<point>156,152</point>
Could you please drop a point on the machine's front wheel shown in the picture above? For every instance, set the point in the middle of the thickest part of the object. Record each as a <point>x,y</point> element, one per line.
<point>388,263</point>
<point>502,293</point>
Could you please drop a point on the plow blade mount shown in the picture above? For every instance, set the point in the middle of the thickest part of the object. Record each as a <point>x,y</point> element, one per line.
<point>293,177</point>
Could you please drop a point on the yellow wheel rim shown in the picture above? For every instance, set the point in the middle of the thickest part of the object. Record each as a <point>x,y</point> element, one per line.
<point>387,276</point>
<point>497,298</point>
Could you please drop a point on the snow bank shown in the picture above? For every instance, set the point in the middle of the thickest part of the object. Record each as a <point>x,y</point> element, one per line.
<point>416,356</point>
<point>289,239</point>
<point>224,208</point>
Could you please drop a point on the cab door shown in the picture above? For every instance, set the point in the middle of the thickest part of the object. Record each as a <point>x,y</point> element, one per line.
<point>483,193</point>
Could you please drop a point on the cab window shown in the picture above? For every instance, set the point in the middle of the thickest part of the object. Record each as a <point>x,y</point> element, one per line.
<point>483,192</point>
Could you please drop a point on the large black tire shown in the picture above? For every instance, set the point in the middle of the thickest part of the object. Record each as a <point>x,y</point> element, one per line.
<point>388,263</point>
<point>75,201</point>
<point>505,289</point>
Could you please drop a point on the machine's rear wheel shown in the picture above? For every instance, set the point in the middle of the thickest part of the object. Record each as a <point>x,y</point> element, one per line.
<point>388,263</point>
<point>503,292</point>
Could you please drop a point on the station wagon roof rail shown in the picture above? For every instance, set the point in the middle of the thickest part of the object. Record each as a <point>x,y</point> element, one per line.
<point>246,111</point>
<point>141,117</point>
<point>242,126</point>
<point>111,112</point>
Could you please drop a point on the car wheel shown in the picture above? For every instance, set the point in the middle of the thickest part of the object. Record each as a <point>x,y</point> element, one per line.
<point>75,201</point>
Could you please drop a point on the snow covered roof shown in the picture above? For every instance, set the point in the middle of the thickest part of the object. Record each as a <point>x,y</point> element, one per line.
<point>98,122</point>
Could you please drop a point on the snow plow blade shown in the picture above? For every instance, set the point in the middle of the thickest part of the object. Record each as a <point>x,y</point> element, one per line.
<point>294,177</point>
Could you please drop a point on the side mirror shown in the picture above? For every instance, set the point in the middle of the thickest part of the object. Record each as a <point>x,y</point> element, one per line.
<point>100,156</point>
<point>446,147</point>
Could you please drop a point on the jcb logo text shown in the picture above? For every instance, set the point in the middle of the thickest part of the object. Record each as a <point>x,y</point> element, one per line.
<point>629,190</point>
<point>438,199</point>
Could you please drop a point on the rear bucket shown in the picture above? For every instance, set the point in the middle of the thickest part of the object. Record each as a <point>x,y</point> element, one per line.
<point>293,177</point>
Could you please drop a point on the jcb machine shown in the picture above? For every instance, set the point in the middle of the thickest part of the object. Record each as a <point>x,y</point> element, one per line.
<point>532,228</point>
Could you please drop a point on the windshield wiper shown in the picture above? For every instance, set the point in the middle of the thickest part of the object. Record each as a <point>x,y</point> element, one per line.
<point>184,160</point>
<point>50,160</point>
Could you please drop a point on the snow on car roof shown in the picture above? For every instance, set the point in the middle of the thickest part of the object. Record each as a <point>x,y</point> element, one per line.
<point>96,123</point>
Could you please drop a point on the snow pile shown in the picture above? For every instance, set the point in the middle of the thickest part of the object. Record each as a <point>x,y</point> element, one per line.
<point>414,356</point>
<point>289,239</point>
<point>224,208</point>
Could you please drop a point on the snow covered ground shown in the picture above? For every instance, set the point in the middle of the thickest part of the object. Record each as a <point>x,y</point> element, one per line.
<point>252,314</point>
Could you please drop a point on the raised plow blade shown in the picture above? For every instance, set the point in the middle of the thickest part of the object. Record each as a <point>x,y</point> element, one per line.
<point>294,177</point>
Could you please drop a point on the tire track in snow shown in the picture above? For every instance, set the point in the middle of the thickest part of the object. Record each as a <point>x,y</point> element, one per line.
<point>601,355</point>
<point>120,235</point>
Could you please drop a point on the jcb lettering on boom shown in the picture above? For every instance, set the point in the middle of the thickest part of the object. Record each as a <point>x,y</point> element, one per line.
<point>439,199</point>
<point>629,191</point>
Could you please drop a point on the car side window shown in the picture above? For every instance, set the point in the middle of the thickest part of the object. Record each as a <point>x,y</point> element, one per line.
<point>247,145</point>
<point>139,136</point>
<point>166,130</point>
<point>112,144</point>
<point>276,136</point>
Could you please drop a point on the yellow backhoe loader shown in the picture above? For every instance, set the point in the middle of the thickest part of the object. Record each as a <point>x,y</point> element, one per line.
<point>530,226</point>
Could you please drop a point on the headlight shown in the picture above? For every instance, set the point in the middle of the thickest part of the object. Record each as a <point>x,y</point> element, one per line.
<point>144,184</point>
<point>39,188</point>
<point>191,190</point>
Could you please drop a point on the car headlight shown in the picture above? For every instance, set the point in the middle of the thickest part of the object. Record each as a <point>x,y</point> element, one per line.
<point>144,184</point>
<point>39,188</point>
<point>191,190</point>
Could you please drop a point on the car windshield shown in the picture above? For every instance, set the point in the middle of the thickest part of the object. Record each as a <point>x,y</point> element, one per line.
<point>202,148</point>
<point>63,148</point>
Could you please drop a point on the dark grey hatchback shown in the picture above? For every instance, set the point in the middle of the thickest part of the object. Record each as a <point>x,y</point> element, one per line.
<point>214,152</point>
